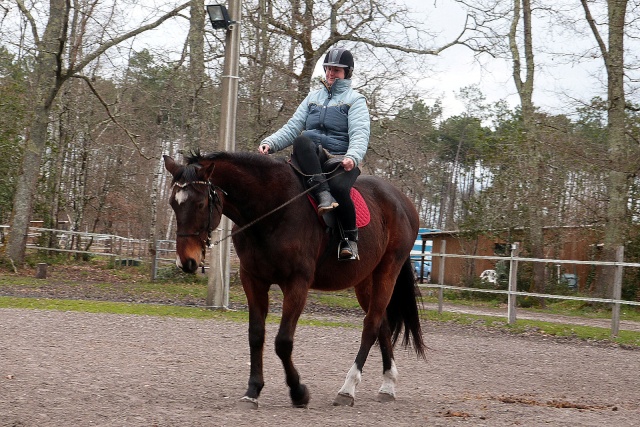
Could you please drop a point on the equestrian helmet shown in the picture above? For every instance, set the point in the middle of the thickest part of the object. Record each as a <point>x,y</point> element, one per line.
<point>339,57</point>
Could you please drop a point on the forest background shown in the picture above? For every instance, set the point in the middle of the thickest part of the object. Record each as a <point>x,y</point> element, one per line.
<point>93,92</point>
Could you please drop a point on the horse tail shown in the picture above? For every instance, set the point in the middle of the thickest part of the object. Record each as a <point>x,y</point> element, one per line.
<point>403,312</point>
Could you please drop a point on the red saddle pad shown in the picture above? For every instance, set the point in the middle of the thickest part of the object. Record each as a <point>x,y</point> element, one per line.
<point>363,216</point>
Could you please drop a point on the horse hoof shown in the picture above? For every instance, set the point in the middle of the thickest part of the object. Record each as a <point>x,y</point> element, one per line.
<point>343,400</point>
<point>385,397</point>
<point>300,397</point>
<point>248,403</point>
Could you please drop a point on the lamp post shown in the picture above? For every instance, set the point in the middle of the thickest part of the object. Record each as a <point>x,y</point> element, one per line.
<point>219,271</point>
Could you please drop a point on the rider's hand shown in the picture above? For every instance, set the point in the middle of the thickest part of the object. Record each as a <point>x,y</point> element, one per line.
<point>264,148</point>
<point>348,163</point>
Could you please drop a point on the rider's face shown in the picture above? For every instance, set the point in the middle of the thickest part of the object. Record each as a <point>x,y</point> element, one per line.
<point>333,73</point>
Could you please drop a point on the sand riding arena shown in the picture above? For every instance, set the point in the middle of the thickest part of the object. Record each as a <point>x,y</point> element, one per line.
<point>80,369</point>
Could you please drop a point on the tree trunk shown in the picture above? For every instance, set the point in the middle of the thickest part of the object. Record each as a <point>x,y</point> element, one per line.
<point>522,8</point>
<point>195,124</point>
<point>616,227</point>
<point>617,220</point>
<point>46,88</point>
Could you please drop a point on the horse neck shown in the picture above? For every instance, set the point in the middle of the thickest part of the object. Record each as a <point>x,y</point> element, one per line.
<point>251,189</point>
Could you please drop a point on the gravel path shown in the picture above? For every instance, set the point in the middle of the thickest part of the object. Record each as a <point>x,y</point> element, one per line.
<point>81,369</point>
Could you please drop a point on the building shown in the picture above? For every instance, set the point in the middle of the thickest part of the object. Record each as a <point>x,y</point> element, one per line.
<point>561,243</point>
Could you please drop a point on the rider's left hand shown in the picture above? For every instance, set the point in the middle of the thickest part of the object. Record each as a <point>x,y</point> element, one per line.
<point>348,164</point>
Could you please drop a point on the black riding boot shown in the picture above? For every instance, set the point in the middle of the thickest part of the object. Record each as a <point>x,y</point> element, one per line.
<point>349,246</point>
<point>325,200</point>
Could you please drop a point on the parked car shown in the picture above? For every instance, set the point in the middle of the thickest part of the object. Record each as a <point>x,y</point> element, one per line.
<point>426,270</point>
<point>570,280</point>
<point>489,276</point>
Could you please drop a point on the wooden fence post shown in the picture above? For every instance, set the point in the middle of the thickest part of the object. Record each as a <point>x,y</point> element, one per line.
<point>41,271</point>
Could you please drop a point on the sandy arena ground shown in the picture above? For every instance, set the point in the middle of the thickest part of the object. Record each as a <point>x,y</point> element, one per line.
<point>80,369</point>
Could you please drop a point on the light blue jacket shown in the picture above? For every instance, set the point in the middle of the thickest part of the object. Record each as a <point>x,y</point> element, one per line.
<point>336,118</point>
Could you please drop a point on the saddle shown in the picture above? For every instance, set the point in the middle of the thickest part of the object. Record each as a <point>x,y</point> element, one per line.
<point>330,164</point>
<point>363,217</point>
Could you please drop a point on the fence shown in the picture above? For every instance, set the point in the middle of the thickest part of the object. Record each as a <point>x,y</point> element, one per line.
<point>130,251</point>
<point>512,291</point>
<point>126,249</point>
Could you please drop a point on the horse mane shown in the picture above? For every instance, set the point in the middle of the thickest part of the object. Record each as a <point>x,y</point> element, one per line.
<point>255,161</point>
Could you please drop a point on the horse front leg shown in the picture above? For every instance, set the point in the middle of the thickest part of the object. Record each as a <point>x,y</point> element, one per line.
<point>258,301</point>
<point>294,300</point>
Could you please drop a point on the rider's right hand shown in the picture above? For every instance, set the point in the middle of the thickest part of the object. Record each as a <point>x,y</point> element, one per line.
<point>264,148</point>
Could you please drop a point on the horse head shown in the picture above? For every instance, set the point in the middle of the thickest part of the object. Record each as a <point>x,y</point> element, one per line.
<point>198,209</point>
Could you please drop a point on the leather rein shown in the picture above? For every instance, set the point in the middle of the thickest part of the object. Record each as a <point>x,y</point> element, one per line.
<point>214,199</point>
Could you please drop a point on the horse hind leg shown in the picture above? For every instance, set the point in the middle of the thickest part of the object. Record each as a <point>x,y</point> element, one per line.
<point>370,331</point>
<point>387,392</point>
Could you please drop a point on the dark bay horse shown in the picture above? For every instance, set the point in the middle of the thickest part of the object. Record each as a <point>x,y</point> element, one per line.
<point>291,248</point>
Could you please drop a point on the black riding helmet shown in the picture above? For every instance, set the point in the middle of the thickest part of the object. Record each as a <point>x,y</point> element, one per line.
<point>338,57</point>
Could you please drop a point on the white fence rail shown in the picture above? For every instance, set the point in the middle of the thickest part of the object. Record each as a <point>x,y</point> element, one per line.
<point>124,250</point>
<point>512,291</point>
<point>76,241</point>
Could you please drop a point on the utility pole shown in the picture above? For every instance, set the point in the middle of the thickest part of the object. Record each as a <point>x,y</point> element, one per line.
<point>219,271</point>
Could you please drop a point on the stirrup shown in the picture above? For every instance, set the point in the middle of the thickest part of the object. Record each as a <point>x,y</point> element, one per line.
<point>348,250</point>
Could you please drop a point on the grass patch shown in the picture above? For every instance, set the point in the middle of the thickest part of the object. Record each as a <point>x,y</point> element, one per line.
<point>335,299</point>
<point>573,308</point>
<point>147,310</point>
<point>588,333</point>
<point>117,308</point>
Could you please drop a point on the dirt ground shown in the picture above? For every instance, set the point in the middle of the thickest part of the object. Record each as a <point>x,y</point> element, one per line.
<point>81,369</point>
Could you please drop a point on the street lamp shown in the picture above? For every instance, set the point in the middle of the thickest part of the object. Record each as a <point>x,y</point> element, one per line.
<point>219,272</point>
<point>219,16</point>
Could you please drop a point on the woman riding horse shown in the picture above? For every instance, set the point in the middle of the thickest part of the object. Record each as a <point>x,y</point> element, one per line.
<point>279,240</point>
<point>336,119</point>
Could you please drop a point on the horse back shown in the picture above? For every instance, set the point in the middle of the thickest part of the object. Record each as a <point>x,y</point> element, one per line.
<point>390,205</point>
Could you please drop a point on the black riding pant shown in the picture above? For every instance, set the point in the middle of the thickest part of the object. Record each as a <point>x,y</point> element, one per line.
<point>308,157</point>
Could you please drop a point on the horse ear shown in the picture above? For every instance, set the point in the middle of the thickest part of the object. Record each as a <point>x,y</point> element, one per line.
<point>170,164</point>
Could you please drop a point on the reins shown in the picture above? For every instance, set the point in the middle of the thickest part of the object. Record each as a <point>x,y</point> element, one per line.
<point>260,218</point>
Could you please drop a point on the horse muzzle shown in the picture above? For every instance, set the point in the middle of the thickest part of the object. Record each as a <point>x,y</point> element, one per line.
<point>190,257</point>
<point>189,266</point>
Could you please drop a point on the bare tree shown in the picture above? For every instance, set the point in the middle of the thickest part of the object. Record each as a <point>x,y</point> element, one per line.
<point>620,147</point>
<point>301,32</point>
<point>53,67</point>
<point>505,30</point>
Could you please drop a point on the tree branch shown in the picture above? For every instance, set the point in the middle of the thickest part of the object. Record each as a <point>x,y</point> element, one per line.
<point>596,33</point>
<point>32,22</point>
<point>113,42</point>
<point>132,137</point>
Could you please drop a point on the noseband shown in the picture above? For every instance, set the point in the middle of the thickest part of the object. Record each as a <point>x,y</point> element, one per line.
<point>214,200</point>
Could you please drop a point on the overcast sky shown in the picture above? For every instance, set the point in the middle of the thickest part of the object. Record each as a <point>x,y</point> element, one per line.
<point>557,82</point>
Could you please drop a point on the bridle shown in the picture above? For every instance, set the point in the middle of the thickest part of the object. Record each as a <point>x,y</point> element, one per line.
<point>214,200</point>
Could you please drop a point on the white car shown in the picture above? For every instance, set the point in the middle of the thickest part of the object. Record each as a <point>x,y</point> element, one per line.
<point>489,276</point>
